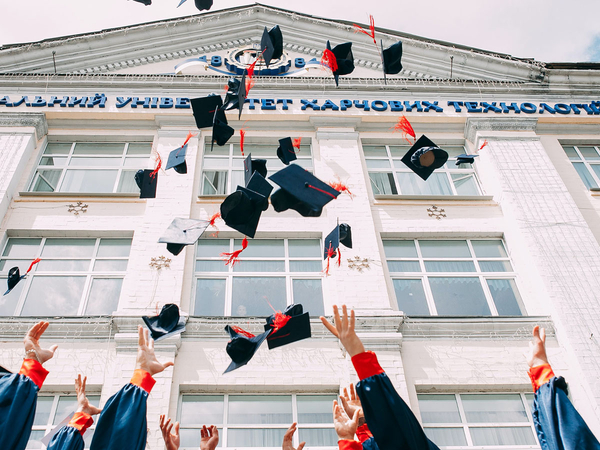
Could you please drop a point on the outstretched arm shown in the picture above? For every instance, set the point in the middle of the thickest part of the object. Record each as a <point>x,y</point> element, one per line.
<point>287,439</point>
<point>540,371</point>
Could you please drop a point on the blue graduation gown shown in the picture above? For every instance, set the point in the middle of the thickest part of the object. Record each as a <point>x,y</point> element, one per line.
<point>392,423</point>
<point>18,398</point>
<point>68,438</point>
<point>559,426</point>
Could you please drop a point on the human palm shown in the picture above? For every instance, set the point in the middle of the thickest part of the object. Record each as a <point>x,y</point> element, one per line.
<point>537,348</point>
<point>209,437</point>
<point>32,342</point>
<point>83,403</point>
<point>351,402</point>
<point>172,440</point>
<point>287,439</point>
<point>345,427</point>
<point>146,359</point>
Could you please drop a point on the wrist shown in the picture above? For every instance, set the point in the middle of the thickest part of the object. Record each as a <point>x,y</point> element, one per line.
<point>345,437</point>
<point>32,354</point>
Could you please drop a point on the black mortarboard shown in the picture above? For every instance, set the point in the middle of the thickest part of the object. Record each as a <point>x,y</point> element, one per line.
<point>183,232</point>
<point>258,183</point>
<point>254,165</point>
<point>392,57</point>
<point>167,323</point>
<point>146,183</point>
<point>295,329</point>
<point>271,44</point>
<point>236,94</point>
<point>204,109</point>
<point>301,191</point>
<point>465,159</point>
<point>344,58</point>
<point>14,276</point>
<point>145,2</point>
<point>177,160</point>
<point>200,4</point>
<point>241,348</point>
<point>221,132</point>
<point>285,151</point>
<point>424,148</point>
<point>341,234</point>
<point>241,210</point>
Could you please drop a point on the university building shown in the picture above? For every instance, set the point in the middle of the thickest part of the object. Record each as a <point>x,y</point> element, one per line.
<point>447,277</point>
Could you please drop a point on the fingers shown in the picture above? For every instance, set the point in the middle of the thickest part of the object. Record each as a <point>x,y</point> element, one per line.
<point>345,394</point>
<point>161,421</point>
<point>543,335</point>
<point>203,432</point>
<point>83,384</point>
<point>53,349</point>
<point>168,364</point>
<point>344,402</point>
<point>290,432</point>
<point>141,340</point>
<point>344,318</point>
<point>169,426</point>
<point>330,327</point>
<point>44,326</point>
<point>352,320</point>
<point>176,428</point>
<point>32,333</point>
<point>214,431</point>
<point>301,446</point>
<point>355,417</point>
<point>353,391</point>
<point>336,319</point>
<point>146,340</point>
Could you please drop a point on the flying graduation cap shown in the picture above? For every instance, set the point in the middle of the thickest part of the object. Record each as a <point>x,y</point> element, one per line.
<point>391,59</point>
<point>14,276</point>
<point>183,232</point>
<point>424,157</point>
<point>290,326</point>
<point>146,182</point>
<point>339,60</point>
<point>465,159</point>
<point>271,44</point>
<point>301,191</point>
<point>166,324</point>
<point>242,346</point>
<point>177,157</point>
<point>204,109</point>
<point>236,94</point>
<point>202,5</point>
<point>221,131</point>
<point>341,234</point>
<point>145,2</point>
<point>285,151</point>
<point>254,165</point>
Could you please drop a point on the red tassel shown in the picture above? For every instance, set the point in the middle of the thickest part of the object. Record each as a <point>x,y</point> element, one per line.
<point>339,252</point>
<point>280,321</point>
<point>406,128</point>
<point>296,143</point>
<point>238,330</point>
<point>339,186</point>
<point>242,137</point>
<point>371,33</point>
<point>233,257</point>
<point>321,190</point>
<point>189,136</point>
<point>35,261</point>
<point>328,60</point>
<point>485,142</point>
<point>158,166</point>
<point>250,74</point>
<point>214,217</point>
<point>330,254</point>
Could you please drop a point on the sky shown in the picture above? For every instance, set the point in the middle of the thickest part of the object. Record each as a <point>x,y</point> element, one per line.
<point>546,30</point>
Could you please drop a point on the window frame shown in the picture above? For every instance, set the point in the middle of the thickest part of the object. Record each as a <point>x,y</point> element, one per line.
<point>585,162</point>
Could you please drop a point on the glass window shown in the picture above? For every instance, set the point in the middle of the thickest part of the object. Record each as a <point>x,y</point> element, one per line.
<point>50,411</point>
<point>586,160</point>
<point>223,168</point>
<point>89,167</point>
<point>258,420</point>
<point>270,274</point>
<point>76,276</point>
<point>478,420</point>
<point>390,176</point>
<point>468,277</point>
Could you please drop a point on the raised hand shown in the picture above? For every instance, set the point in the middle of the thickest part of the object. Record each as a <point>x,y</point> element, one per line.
<point>351,402</point>
<point>83,404</point>
<point>537,348</point>
<point>345,427</point>
<point>32,344</point>
<point>344,330</point>
<point>209,437</point>
<point>287,439</point>
<point>171,439</point>
<point>146,359</point>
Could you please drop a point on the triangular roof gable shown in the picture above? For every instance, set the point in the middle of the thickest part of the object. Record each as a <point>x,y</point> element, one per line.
<point>157,47</point>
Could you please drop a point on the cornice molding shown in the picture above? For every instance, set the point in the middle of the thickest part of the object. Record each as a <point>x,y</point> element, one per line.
<point>474,125</point>
<point>25,119</point>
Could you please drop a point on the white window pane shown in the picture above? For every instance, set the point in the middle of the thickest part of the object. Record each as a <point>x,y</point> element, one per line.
<point>89,181</point>
<point>585,175</point>
<point>35,439</point>
<point>383,183</point>
<point>449,266</point>
<point>404,266</point>
<point>411,184</point>
<point>66,405</point>
<point>489,248</point>
<point>54,148</point>
<point>438,408</point>
<point>506,297</point>
<point>136,162</point>
<point>214,182</point>
<point>502,436</point>
<point>571,152</point>
<point>53,161</point>
<point>98,148</point>
<point>64,265</point>
<point>74,248</point>
<point>304,163</point>
<point>309,293</point>
<point>315,408</point>
<point>400,249</point>
<point>210,297</point>
<point>446,436</point>
<point>211,266</point>
<point>259,266</point>
<point>411,297</point>
<point>54,296</point>
<point>104,296</point>
<point>596,169</point>
<point>9,301</point>
<point>190,438</point>
<point>495,266</point>
<point>374,150</point>
<point>201,410</point>
<point>215,163</point>
<point>139,148</point>
<point>444,249</point>
<point>589,153</point>
<point>42,410</point>
<point>481,408</point>
<point>459,296</point>
<point>237,179</point>
<point>260,409</point>
<point>21,247</point>
<point>465,184</point>
<point>260,248</point>
<point>255,438</point>
<point>378,164</point>
<point>46,180</point>
<point>304,248</point>
<point>7,264</point>
<point>251,296</point>
<point>306,266</point>
<point>398,150</point>
<point>114,248</point>
<point>318,437</point>
<point>212,248</point>
<point>127,182</point>
<point>95,162</point>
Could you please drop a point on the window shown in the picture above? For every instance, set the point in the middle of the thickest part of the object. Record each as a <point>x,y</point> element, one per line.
<point>75,276</point>
<point>271,273</point>
<point>50,411</point>
<point>453,277</point>
<point>223,168</point>
<point>390,176</point>
<point>258,420</point>
<point>90,167</point>
<point>478,420</point>
<point>586,160</point>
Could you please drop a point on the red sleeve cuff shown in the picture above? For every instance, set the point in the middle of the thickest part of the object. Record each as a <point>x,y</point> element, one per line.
<point>34,370</point>
<point>540,375</point>
<point>366,365</point>
<point>143,379</point>
<point>345,444</point>
<point>363,433</point>
<point>82,421</point>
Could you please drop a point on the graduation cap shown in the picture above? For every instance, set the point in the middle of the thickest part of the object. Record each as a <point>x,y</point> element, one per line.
<point>391,59</point>
<point>204,109</point>
<point>221,131</point>
<point>341,234</point>
<point>183,232</point>
<point>14,275</point>
<point>177,160</point>
<point>146,183</point>
<point>236,94</point>
<point>258,183</point>
<point>271,44</point>
<point>291,326</point>
<point>424,157</point>
<point>200,4</point>
<point>145,2</point>
<point>301,191</point>
<point>242,346</point>
<point>344,60</point>
<point>465,159</point>
<point>254,165</point>
<point>285,151</point>
<point>167,323</point>
<point>241,210</point>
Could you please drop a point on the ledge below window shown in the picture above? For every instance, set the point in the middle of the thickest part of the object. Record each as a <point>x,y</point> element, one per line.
<point>595,192</point>
<point>436,198</point>
<point>211,198</point>
<point>81,195</point>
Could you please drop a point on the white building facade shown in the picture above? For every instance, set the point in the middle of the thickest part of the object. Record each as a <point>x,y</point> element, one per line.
<point>447,277</point>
